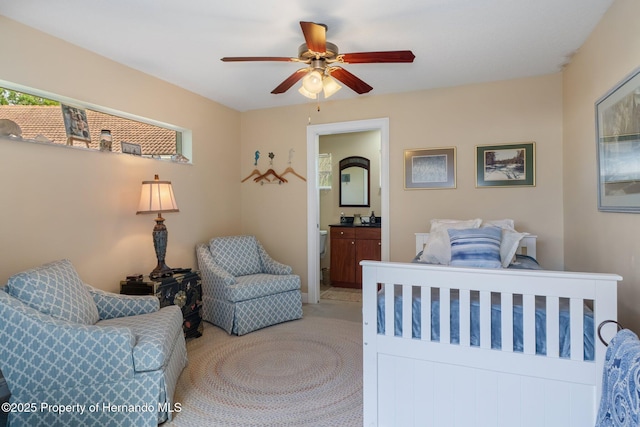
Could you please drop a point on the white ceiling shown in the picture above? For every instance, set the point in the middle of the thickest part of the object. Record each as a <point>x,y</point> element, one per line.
<point>456,42</point>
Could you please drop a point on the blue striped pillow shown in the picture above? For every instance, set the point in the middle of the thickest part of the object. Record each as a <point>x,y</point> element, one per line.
<point>476,247</point>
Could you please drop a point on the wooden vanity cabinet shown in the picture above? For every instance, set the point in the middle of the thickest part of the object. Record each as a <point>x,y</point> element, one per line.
<point>349,246</point>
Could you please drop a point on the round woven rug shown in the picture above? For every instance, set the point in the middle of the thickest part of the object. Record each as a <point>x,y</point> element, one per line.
<point>306,372</point>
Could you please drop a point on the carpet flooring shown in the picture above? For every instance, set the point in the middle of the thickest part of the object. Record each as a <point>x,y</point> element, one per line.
<point>307,372</point>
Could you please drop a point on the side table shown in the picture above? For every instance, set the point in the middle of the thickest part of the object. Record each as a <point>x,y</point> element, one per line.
<point>183,289</point>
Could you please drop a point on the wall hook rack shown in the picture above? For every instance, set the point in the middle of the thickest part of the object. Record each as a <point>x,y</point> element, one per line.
<point>271,176</point>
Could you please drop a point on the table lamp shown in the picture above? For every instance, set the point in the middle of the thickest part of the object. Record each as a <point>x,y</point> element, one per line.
<point>157,197</point>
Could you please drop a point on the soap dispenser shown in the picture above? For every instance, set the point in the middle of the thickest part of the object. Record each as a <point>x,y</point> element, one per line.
<point>342,218</point>
<point>372,218</point>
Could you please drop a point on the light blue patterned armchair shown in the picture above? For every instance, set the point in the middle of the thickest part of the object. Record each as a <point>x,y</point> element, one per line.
<point>243,288</point>
<point>114,359</point>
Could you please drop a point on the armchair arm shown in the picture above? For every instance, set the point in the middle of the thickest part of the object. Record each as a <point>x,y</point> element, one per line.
<point>112,305</point>
<point>214,278</point>
<point>270,265</point>
<point>39,352</point>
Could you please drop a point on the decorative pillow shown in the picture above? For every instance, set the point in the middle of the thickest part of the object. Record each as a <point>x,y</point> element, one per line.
<point>238,255</point>
<point>438,247</point>
<point>55,289</point>
<point>476,247</point>
<point>510,239</point>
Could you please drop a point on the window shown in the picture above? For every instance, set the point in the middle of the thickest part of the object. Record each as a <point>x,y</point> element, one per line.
<point>41,119</point>
<point>324,171</point>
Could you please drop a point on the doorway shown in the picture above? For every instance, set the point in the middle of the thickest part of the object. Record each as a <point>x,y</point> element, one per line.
<point>313,194</point>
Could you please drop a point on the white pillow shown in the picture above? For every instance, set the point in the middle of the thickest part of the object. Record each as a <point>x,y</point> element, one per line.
<point>502,223</point>
<point>438,247</point>
<point>509,245</point>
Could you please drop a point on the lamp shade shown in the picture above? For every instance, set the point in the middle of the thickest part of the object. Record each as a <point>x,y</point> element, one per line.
<point>312,82</point>
<point>330,86</point>
<point>157,196</point>
<point>306,93</point>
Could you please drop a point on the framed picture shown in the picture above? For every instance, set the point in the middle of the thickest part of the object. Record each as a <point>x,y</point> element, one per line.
<point>76,125</point>
<point>506,165</point>
<point>618,146</point>
<point>131,148</point>
<point>430,168</point>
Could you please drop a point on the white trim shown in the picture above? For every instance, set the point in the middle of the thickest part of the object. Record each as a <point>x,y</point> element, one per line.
<point>313,209</point>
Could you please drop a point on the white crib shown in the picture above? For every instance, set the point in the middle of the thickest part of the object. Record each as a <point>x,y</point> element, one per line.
<point>419,382</point>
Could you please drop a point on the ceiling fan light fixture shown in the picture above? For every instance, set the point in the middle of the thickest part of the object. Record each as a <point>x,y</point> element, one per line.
<point>306,93</point>
<point>330,86</point>
<point>312,82</point>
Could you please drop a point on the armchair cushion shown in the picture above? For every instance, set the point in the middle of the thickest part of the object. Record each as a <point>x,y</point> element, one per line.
<point>55,289</point>
<point>260,285</point>
<point>238,255</point>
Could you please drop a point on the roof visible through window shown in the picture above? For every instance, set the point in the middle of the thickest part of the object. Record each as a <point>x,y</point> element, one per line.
<point>43,119</point>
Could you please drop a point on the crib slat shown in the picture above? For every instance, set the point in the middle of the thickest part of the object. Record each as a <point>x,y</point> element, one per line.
<point>506,321</point>
<point>389,316</point>
<point>445,310</point>
<point>485,319</point>
<point>425,313</point>
<point>553,326</point>
<point>576,324</point>
<point>529,323</point>
<point>465,317</point>
<point>407,311</point>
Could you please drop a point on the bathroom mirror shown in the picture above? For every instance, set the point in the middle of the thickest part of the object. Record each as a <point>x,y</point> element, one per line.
<point>354,182</point>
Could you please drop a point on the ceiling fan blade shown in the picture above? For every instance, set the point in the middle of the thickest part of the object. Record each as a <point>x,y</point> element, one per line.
<point>315,35</point>
<point>257,58</point>
<point>378,57</point>
<point>290,81</point>
<point>350,80</point>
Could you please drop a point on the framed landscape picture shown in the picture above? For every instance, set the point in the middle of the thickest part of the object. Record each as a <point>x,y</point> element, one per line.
<point>430,168</point>
<point>618,146</point>
<point>506,165</point>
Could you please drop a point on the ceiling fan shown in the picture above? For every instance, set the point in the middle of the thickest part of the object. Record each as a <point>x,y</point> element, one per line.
<point>322,56</point>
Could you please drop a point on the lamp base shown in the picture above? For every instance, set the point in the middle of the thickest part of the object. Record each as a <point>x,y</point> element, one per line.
<point>161,270</point>
<point>160,236</point>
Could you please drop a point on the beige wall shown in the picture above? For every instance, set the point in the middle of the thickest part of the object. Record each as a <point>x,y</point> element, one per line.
<point>503,112</point>
<point>598,241</point>
<point>69,203</point>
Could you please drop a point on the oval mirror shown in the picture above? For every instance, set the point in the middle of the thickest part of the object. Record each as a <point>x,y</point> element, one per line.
<point>354,182</point>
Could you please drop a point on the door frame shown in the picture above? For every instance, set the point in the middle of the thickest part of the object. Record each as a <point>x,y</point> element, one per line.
<point>313,194</point>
